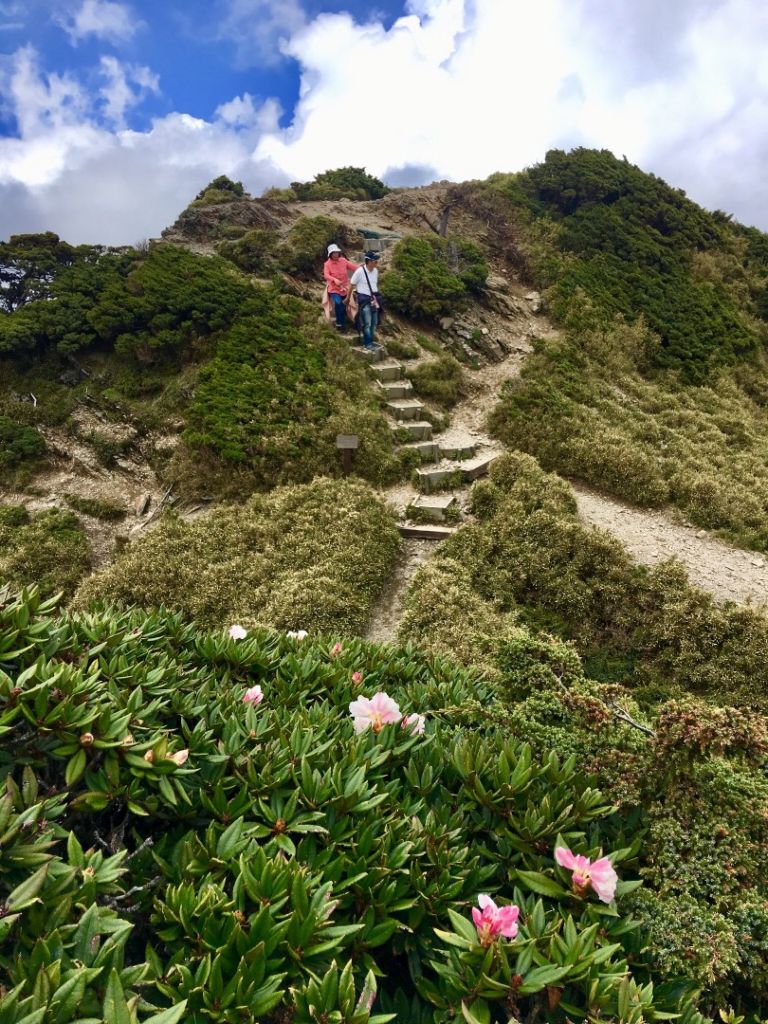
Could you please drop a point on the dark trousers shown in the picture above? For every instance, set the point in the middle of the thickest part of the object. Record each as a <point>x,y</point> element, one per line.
<point>339,309</point>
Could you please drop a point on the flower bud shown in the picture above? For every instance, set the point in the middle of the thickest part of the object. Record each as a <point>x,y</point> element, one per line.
<point>86,739</point>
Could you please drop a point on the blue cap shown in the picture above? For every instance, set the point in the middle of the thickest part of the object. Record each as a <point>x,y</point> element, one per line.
<point>371,255</point>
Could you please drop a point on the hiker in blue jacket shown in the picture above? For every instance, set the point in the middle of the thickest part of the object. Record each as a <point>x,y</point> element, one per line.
<point>366,280</point>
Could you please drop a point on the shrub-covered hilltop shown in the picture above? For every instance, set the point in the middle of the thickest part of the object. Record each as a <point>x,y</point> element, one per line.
<point>656,388</point>
<point>225,827</point>
<point>170,341</point>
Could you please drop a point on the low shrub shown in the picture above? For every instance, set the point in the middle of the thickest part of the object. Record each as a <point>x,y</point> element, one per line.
<point>340,183</point>
<point>529,554</point>
<point>48,549</point>
<point>95,508</point>
<point>267,409</point>
<point>307,557</point>
<point>18,444</point>
<point>440,380</point>
<point>650,442</point>
<point>255,252</point>
<point>304,250</point>
<point>197,828</point>
<point>431,277</point>
<point>688,776</point>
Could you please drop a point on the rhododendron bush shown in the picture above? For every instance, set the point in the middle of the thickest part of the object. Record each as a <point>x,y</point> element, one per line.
<point>207,827</point>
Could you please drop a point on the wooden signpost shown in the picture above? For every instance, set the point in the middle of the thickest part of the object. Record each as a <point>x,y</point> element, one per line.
<point>348,445</point>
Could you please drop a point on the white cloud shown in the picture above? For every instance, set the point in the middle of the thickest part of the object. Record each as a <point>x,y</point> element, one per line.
<point>260,29</point>
<point>118,94</point>
<point>104,19</point>
<point>67,172</point>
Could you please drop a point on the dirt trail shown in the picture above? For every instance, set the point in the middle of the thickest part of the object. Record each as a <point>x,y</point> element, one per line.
<point>389,610</point>
<point>729,574</point>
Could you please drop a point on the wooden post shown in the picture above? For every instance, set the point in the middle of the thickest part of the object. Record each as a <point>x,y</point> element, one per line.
<point>347,444</point>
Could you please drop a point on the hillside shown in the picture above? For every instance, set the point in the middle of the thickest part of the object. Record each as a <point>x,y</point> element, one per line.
<point>577,344</point>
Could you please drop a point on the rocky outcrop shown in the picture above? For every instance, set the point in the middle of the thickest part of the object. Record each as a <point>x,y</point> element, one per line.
<point>210,222</point>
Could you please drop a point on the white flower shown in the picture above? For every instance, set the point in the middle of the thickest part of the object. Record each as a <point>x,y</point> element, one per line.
<point>297,634</point>
<point>237,632</point>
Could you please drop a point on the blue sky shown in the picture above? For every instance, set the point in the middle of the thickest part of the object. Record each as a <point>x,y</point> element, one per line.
<point>114,113</point>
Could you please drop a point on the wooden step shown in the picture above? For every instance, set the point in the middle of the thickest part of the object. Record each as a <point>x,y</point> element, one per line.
<point>405,408</point>
<point>428,450</point>
<point>396,388</point>
<point>425,531</point>
<point>377,356</point>
<point>418,430</point>
<point>434,506</point>
<point>478,467</point>
<point>388,369</point>
<point>435,477</point>
<point>449,451</point>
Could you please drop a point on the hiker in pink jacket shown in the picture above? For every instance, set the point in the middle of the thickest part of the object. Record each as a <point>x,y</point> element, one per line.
<point>336,271</point>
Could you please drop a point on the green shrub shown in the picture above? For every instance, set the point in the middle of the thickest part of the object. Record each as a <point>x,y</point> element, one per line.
<point>634,246</point>
<point>18,444</point>
<point>93,507</point>
<point>305,248</point>
<point>528,554</point>
<point>340,183</point>
<point>311,557</point>
<point>220,190</point>
<point>173,852</point>
<point>144,307</point>
<point>687,775</point>
<point>440,380</point>
<point>401,350</point>
<point>268,407</point>
<point>255,251</point>
<point>48,550</point>
<point>432,277</point>
<point>647,441</point>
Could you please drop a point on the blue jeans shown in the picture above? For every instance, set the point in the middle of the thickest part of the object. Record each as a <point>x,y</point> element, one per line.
<point>369,317</point>
<point>339,309</point>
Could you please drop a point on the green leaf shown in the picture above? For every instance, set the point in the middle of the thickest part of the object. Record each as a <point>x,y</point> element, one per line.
<point>116,1009</point>
<point>170,1016</point>
<point>75,767</point>
<point>542,884</point>
<point>540,977</point>
<point>478,1013</point>
<point>463,926</point>
<point>26,893</point>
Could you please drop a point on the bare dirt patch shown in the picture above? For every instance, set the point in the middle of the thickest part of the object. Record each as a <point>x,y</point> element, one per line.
<point>729,574</point>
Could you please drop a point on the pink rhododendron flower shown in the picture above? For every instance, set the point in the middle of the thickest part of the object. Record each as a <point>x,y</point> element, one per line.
<point>180,757</point>
<point>491,920</point>
<point>237,632</point>
<point>600,874</point>
<point>415,723</point>
<point>336,649</point>
<point>375,713</point>
<point>253,695</point>
<point>357,678</point>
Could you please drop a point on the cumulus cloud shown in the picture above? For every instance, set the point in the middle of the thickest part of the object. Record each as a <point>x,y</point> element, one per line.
<point>259,29</point>
<point>104,19</point>
<point>126,85</point>
<point>69,172</point>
